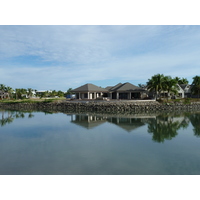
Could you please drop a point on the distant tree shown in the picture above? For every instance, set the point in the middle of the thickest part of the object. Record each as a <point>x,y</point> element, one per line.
<point>196,85</point>
<point>10,91</point>
<point>60,93</point>
<point>44,94</point>
<point>69,91</point>
<point>20,93</point>
<point>30,92</point>
<point>2,87</point>
<point>53,93</point>
<point>142,85</point>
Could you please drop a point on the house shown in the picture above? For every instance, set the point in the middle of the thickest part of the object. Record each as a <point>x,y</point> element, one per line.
<point>119,91</point>
<point>126,91</point>
<point>3,95</point>
<point>89,91</point>
<point>163,94</point>
<point>187,90</point>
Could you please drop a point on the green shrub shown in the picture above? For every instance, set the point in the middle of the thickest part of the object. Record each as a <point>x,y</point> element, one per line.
<point>187,101</point>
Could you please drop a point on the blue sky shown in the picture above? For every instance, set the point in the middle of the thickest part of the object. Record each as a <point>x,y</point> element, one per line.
<point>62,57</point>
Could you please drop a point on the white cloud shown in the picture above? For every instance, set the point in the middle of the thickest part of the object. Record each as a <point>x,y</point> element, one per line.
<point>68,56</point>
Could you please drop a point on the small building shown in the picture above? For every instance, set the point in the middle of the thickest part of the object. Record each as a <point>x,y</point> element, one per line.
<point>4,95</point>
<point>89,91</point>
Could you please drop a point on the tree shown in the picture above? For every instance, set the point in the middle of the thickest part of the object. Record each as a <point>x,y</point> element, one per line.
<point>196,85</point>
<point>60,93</point>
<point>142,85</point>
<point>170,85</point>
<point>181,80</point>
<point>69,91</point>
<point>155,84</point>
<point>6,89</point>
<point>53,93</point>
<point>20,93</point>
<point>10,91</point>
<point>30,92</point>
<point>2,87</point>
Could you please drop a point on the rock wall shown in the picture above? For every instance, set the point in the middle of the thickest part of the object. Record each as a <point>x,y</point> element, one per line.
<point>108,107</point>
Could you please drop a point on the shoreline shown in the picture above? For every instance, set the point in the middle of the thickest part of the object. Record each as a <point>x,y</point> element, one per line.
<point>133,106</point>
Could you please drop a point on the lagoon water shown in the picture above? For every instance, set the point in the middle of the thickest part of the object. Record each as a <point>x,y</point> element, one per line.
<point>38,143</point>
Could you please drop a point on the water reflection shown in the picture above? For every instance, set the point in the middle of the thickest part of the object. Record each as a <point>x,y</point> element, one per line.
<point>165,126</point>
<point>48,143</point>
<point>89,121</point>
<point>162,126</point>
<point>8,117</point>
<point>195,121</point>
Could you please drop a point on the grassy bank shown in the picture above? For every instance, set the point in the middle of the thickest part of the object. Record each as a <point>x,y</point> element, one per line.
<point>43,100</point>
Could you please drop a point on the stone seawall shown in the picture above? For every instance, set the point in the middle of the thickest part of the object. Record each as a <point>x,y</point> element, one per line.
<point>108,107</point>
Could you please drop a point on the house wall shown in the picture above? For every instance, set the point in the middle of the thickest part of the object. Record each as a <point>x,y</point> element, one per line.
<point>126,95</point>
<point>88,95</point>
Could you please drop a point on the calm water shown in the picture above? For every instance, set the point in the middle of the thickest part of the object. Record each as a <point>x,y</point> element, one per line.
<point>84,144</point>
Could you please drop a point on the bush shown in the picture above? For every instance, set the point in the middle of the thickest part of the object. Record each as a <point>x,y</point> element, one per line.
<point>187,101</point>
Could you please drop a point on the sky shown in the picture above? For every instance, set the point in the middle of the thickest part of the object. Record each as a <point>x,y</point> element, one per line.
<point>67,56</point>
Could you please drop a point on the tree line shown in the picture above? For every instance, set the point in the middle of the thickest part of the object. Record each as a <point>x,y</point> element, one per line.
<point>22,93</point>
<point>157,84</point>
<point>160,83</point>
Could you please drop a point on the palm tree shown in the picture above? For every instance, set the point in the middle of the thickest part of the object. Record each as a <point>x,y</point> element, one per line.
<point>155,84</point>
<point>170,85</point>
<point>181,80</point>
<point>20,93</point>
<point>10,91</point>
<point>2,87</point>
<point>196,85</point>
<point>30,92</point>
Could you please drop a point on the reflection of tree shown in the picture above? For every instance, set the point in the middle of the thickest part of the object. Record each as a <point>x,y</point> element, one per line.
<point>6,120</point>
<point>195,121</point>
<point>166,127</point>
<point>30,115</point>
<point>8,117</point>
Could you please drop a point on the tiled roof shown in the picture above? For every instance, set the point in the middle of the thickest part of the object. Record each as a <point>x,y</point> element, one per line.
<point>126,87</point>
<point>89,88</point>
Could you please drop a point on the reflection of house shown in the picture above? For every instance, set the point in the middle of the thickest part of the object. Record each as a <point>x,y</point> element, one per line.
<point>3,95</point>
<point>87,121</point>
<point>89,91</point>
<point>90,121</point>
<point>125,91</point>
<point>128,124</point>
